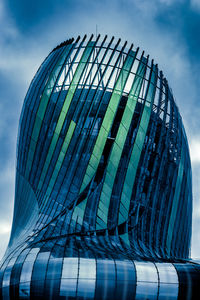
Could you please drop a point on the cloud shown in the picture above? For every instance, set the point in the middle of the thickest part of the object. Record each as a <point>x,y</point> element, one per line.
<point>4,237</point>
<point>195,4</point>
<point>7,177</point>
<point>166,29</point>
<point>195,150</point>
<point>4,227</point>
<point>195,239</point>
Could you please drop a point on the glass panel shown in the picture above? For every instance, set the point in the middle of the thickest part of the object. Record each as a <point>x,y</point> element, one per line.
<point>167,273</point>
<point>176,199</point>
<point>70,267</point>
<point>105,269</point>
<point>146,271</point>
<point>146,290</point>
<point>125,288</point>
<point>86,288</point>
<point>61,156</point>
<point>168,291</point>
<point>26,273</point>
<point>24,290</point>
<point>68,287</point>
<point>6,279</point>
<point>168,281</point>
<point>87,268</point>
<point>54,268</point>
<point>106,275</point>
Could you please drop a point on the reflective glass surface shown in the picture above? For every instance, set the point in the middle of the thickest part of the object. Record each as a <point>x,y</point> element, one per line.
<point>103,197</point>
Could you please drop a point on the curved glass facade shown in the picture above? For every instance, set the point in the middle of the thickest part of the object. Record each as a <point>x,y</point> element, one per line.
<point>103,200</point>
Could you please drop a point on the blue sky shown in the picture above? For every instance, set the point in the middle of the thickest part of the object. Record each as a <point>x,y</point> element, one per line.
<point>168,30</point>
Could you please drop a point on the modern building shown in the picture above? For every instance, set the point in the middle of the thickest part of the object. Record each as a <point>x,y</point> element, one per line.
<point>103,200</point>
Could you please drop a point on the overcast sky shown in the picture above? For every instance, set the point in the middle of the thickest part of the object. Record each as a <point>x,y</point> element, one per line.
<point>168,30</point>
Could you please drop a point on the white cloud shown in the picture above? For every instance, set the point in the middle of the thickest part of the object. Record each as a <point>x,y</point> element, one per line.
<point>4,227</point>
<point>195,4</point>
<point>8,30</point>
<point>4,242</point>
<point>195,150</point>
<point>195,238</point>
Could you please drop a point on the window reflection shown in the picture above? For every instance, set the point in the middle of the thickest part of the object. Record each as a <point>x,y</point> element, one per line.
<point>26,273</point>
<point>105,269</point>
<point>146,290</point>
<point>86,288</point>
<point>168,291</point>
<point>87,268</point>
<point>70,267</point>
<point>168,281</point>
<point>87,278</point>
<point>146,271</point>
<point>167,273</point>
<point>68,287</point>
<point>147,280</point>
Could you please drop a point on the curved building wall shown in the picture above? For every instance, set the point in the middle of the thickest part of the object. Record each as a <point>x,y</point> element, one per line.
<point>103,180</point>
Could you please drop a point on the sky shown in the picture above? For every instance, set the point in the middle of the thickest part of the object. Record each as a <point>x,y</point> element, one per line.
<point>168,30</point>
